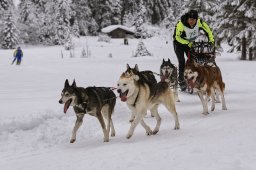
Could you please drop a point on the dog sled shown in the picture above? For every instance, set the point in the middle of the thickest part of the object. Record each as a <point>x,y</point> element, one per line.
<point>202,52</point>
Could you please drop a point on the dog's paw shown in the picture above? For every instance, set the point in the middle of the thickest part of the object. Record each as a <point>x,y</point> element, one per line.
<point>149,133</point>
<point>113,134</point>
<point>212,109</point>
<point>224,108</point>
<point>205,113</point>
<point>155,132</point>
<point>106,140</point>
<point>72,140</point>
<point>128,136</point>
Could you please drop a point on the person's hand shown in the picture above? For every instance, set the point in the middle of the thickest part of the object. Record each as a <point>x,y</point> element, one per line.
<point>190,44</point>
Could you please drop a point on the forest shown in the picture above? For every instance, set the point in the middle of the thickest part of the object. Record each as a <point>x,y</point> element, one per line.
<point>56,22</point>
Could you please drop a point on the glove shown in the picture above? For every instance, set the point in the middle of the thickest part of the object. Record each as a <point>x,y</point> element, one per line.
<point>212,43</point>
<point>190,44</point>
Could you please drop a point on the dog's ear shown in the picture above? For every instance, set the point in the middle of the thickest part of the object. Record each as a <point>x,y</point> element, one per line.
<point>74,83</point>
<point>169,60</point>
<point>127,66</point>
<point>136,67</point>
<point>163,60</point>
<point>66,83</point>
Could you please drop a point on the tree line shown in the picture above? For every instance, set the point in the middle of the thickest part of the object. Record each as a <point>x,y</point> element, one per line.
<point>55,22</point>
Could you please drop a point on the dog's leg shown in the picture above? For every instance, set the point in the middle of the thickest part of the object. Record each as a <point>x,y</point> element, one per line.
<point>138,118</point>
<point>213,99</point>
<point>154,110</point>
<point>132,117</point>
<point>170,106</point>
<point>204,102</point>
<point>79,121</point>
<point>113,132</point>
<point>103,126</point>
<point>217,96</point>
<point>146,127</point>
<point>176,95</point>
<point>223,101</point>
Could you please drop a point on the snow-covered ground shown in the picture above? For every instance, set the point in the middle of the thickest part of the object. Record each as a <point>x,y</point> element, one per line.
<point>35,133</point>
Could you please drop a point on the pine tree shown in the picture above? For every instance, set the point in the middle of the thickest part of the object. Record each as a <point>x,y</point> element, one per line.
<point>139,20</point>
<point>236,20</point>
<point>10,33</point>
<point>75,29</point>
<point>63,32</point>
<point>141,50</point>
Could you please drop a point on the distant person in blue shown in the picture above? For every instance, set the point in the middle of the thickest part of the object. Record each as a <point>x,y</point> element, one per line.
<point>18,54</point>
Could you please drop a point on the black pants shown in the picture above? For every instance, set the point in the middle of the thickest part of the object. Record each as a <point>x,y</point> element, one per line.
<point>180,49</point>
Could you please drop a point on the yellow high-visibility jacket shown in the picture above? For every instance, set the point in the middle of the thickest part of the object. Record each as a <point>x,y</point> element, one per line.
<point>184,34</point>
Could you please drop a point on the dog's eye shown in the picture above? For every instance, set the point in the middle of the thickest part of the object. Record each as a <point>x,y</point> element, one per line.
<point>118,84</point>
<point>66,94</point>
<point>125,84</point>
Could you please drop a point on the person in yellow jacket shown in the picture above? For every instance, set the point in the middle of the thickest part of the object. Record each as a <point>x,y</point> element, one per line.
<point>186,31</point>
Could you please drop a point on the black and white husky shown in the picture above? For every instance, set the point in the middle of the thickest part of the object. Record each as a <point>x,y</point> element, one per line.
<point>169,74</point>
<point>95,101</point>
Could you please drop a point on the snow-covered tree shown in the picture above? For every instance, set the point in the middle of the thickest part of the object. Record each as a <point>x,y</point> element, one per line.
<point>63,16</point>
<point>235,20</point>
<point>10,33</point>
<point>141,50</point>
<point>75,29</point>
<point>140,20</point>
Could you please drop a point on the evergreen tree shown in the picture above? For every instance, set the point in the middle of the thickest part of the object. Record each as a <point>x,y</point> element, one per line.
<point>139,20</point>
<point>75,29</point>
<point>141,50</point>
<point>10,33</point>
<point>63,16</point>
<point>236,20</point>
<point>84,17</point>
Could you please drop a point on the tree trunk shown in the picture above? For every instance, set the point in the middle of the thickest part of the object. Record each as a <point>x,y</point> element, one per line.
<point>250,53</point>
<point>243,57</point>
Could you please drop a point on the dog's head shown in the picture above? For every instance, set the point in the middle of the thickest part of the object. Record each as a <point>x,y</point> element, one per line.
<point>126,83</point>
<point>191,72</point>
<point>68,95</point>
<point>166,68</point>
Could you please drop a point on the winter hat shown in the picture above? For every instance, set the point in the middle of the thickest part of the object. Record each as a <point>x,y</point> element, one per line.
<point>193,14</point>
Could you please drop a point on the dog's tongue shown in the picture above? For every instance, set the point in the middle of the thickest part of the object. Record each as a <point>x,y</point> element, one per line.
<point>66,106</point>
<point>123,97</point>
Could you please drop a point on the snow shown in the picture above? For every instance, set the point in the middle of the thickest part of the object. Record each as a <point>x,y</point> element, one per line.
<point>35,133</point>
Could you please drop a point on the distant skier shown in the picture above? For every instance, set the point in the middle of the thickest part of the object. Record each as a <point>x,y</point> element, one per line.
<point>18,54</point>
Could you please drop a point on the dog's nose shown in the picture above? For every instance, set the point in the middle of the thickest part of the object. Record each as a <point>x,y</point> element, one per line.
<point>60,101</point>
<point>118,90</point>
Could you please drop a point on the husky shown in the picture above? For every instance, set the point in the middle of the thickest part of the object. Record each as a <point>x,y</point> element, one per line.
<point>95,101</point>
<point>141,92</point>
<point>205,79</point>
<point>169,74</point>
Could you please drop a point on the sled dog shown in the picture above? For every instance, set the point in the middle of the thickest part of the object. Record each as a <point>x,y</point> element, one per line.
<point>204,79</point>
<point>140,91</point>
<point>95,101</point>
<point>169,74</point>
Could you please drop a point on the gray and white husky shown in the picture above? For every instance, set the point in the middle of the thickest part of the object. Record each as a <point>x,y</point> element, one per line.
<point>95,101</point>
<point>169,74</point>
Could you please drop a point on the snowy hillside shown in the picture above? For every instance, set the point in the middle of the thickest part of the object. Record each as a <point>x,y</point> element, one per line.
<point>35,133</point>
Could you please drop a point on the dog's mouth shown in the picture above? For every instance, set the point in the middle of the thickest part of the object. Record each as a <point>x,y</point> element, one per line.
<point>66,105</point>
<point>190,82</point>
<point>123,96</point>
